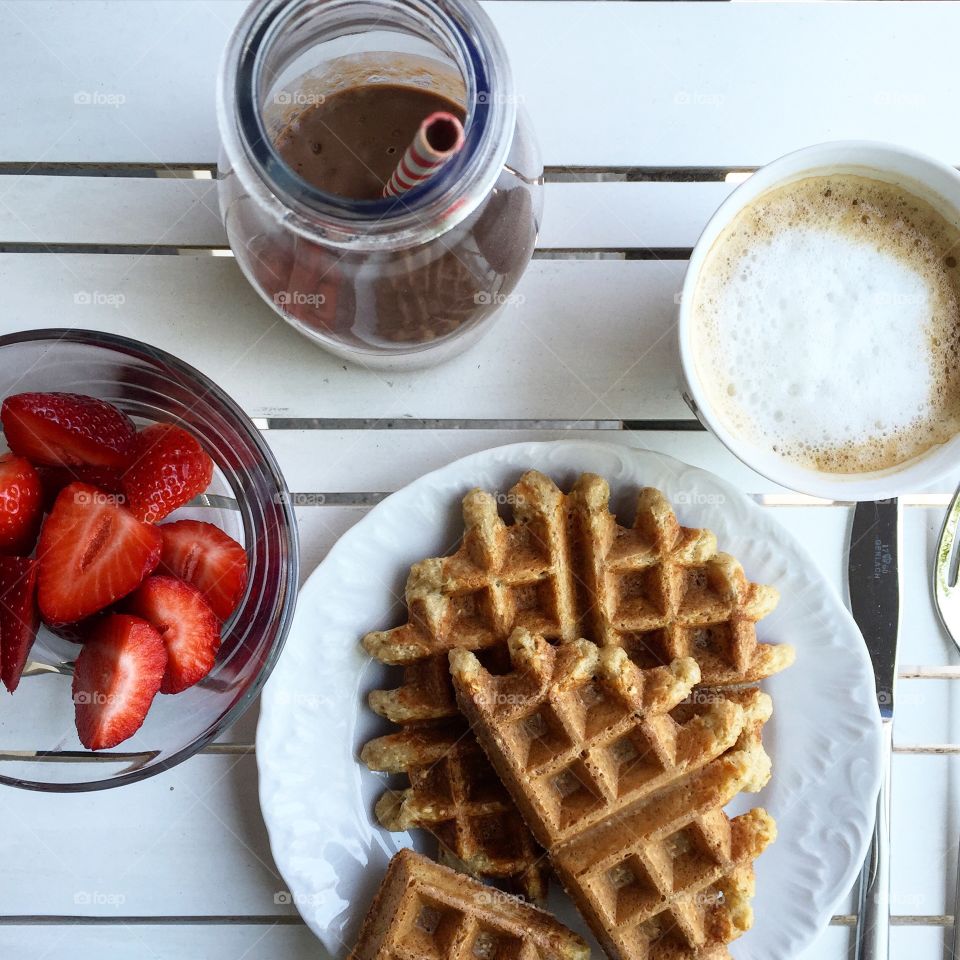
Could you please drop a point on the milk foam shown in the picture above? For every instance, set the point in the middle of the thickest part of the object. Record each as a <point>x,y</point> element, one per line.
<point>825,327</point>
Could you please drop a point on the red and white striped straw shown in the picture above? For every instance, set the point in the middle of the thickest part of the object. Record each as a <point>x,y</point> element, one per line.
<point>439,138</point>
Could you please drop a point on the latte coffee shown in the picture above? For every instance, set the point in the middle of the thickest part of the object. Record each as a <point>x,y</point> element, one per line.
<point>826,324</point>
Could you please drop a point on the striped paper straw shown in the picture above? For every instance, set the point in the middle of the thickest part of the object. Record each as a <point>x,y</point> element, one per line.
<point>439,138</point>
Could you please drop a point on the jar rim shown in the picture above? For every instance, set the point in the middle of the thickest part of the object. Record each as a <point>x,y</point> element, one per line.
<point>425,211</point>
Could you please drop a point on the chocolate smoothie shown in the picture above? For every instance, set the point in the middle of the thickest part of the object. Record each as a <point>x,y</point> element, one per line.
<point>353,141</point>
<point>349,145</point>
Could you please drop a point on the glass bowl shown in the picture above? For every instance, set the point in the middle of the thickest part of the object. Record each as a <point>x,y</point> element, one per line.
<point>248,499</point>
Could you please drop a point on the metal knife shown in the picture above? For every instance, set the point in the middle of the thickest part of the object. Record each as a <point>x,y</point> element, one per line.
<point>873,575</point>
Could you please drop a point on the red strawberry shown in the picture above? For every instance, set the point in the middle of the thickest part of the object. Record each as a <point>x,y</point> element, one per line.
<point>205,556</point>
<point>66,429</point>
<point>19,618</point>
<point>117,675</point>
<point>54,479</point>
<point>91,552</point>
<point>21,504</point>
<point>190,629</point>
<point>169,468</point>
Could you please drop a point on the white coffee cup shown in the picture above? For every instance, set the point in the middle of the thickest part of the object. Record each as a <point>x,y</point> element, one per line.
<point>922,176</point>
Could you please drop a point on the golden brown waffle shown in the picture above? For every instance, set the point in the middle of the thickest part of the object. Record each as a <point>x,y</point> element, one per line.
<point>425,911</point>
<point>455,794</point>
<point>565,569</point>
<point>622,778</point>
<point>661,591</point>
<point>501,574</point>
<point>562,569</point>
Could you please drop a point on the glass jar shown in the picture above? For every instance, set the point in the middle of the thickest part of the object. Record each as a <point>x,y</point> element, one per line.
<point>398,282</point>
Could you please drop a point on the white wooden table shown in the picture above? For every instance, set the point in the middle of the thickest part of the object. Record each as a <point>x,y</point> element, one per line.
<point>108,221</point>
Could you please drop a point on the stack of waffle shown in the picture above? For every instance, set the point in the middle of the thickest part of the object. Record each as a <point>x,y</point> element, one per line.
<point>649,596</point>
<point>503,575</point>
<point>627,799</point>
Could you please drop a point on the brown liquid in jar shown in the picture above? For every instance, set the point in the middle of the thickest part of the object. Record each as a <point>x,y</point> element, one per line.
<point>349,145</point>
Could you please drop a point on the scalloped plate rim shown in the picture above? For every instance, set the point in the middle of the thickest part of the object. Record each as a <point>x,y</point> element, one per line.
<point>274,739</point>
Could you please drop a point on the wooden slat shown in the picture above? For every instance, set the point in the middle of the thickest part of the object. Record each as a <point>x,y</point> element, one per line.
<point>607,84</point>
<point>296,943</point>
<point>831,944</point>
<point>260,943</point>
<point>109,210</point>
<point>924,943</point>
<point>625,215</point>
<point>183,212</point>
<point>923,855</point>
<point>186,841</point>
<point>589,340</point>
<point>182,942</point>
<point>386,460</point>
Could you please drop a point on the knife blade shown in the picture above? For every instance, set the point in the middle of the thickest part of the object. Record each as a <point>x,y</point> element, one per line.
<point>873,576</point>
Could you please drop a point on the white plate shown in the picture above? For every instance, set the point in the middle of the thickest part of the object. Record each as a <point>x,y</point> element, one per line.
<point>824,737</point>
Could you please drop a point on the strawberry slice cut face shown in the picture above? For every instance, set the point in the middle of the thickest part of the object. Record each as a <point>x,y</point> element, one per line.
<point>92,552</point>
<point>117,675</point>
<point>205,556</point>
<point>190,629</point>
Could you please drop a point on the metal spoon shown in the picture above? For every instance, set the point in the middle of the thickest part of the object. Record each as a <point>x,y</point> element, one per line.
<point>946,592</point>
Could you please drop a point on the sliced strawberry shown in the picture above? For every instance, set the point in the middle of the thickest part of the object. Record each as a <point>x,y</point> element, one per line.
<point>190,629</point>
<point>205,556</point>
<point>118,673</point>
<point>54,479</point>
<point>92,552</point>
<point>67,429</point>
<point>21,504</point>
<point>169,468</point>
<point>19,618</point>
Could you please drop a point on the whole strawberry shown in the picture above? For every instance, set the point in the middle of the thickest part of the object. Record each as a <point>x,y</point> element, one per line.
<point>169,468</point>
<point>19,617</point>
<point>21,504</point>
<point>67,430</point>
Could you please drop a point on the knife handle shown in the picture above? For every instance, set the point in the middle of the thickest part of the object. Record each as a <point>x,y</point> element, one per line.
<point>873,919</point>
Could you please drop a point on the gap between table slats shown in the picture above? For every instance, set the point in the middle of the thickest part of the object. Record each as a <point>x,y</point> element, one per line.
<point>208,171</point>
<point>551,174</point>
<point>248,749</point>
<point>843,920</point>
<point>161,250</point>
<point>317,498</point>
